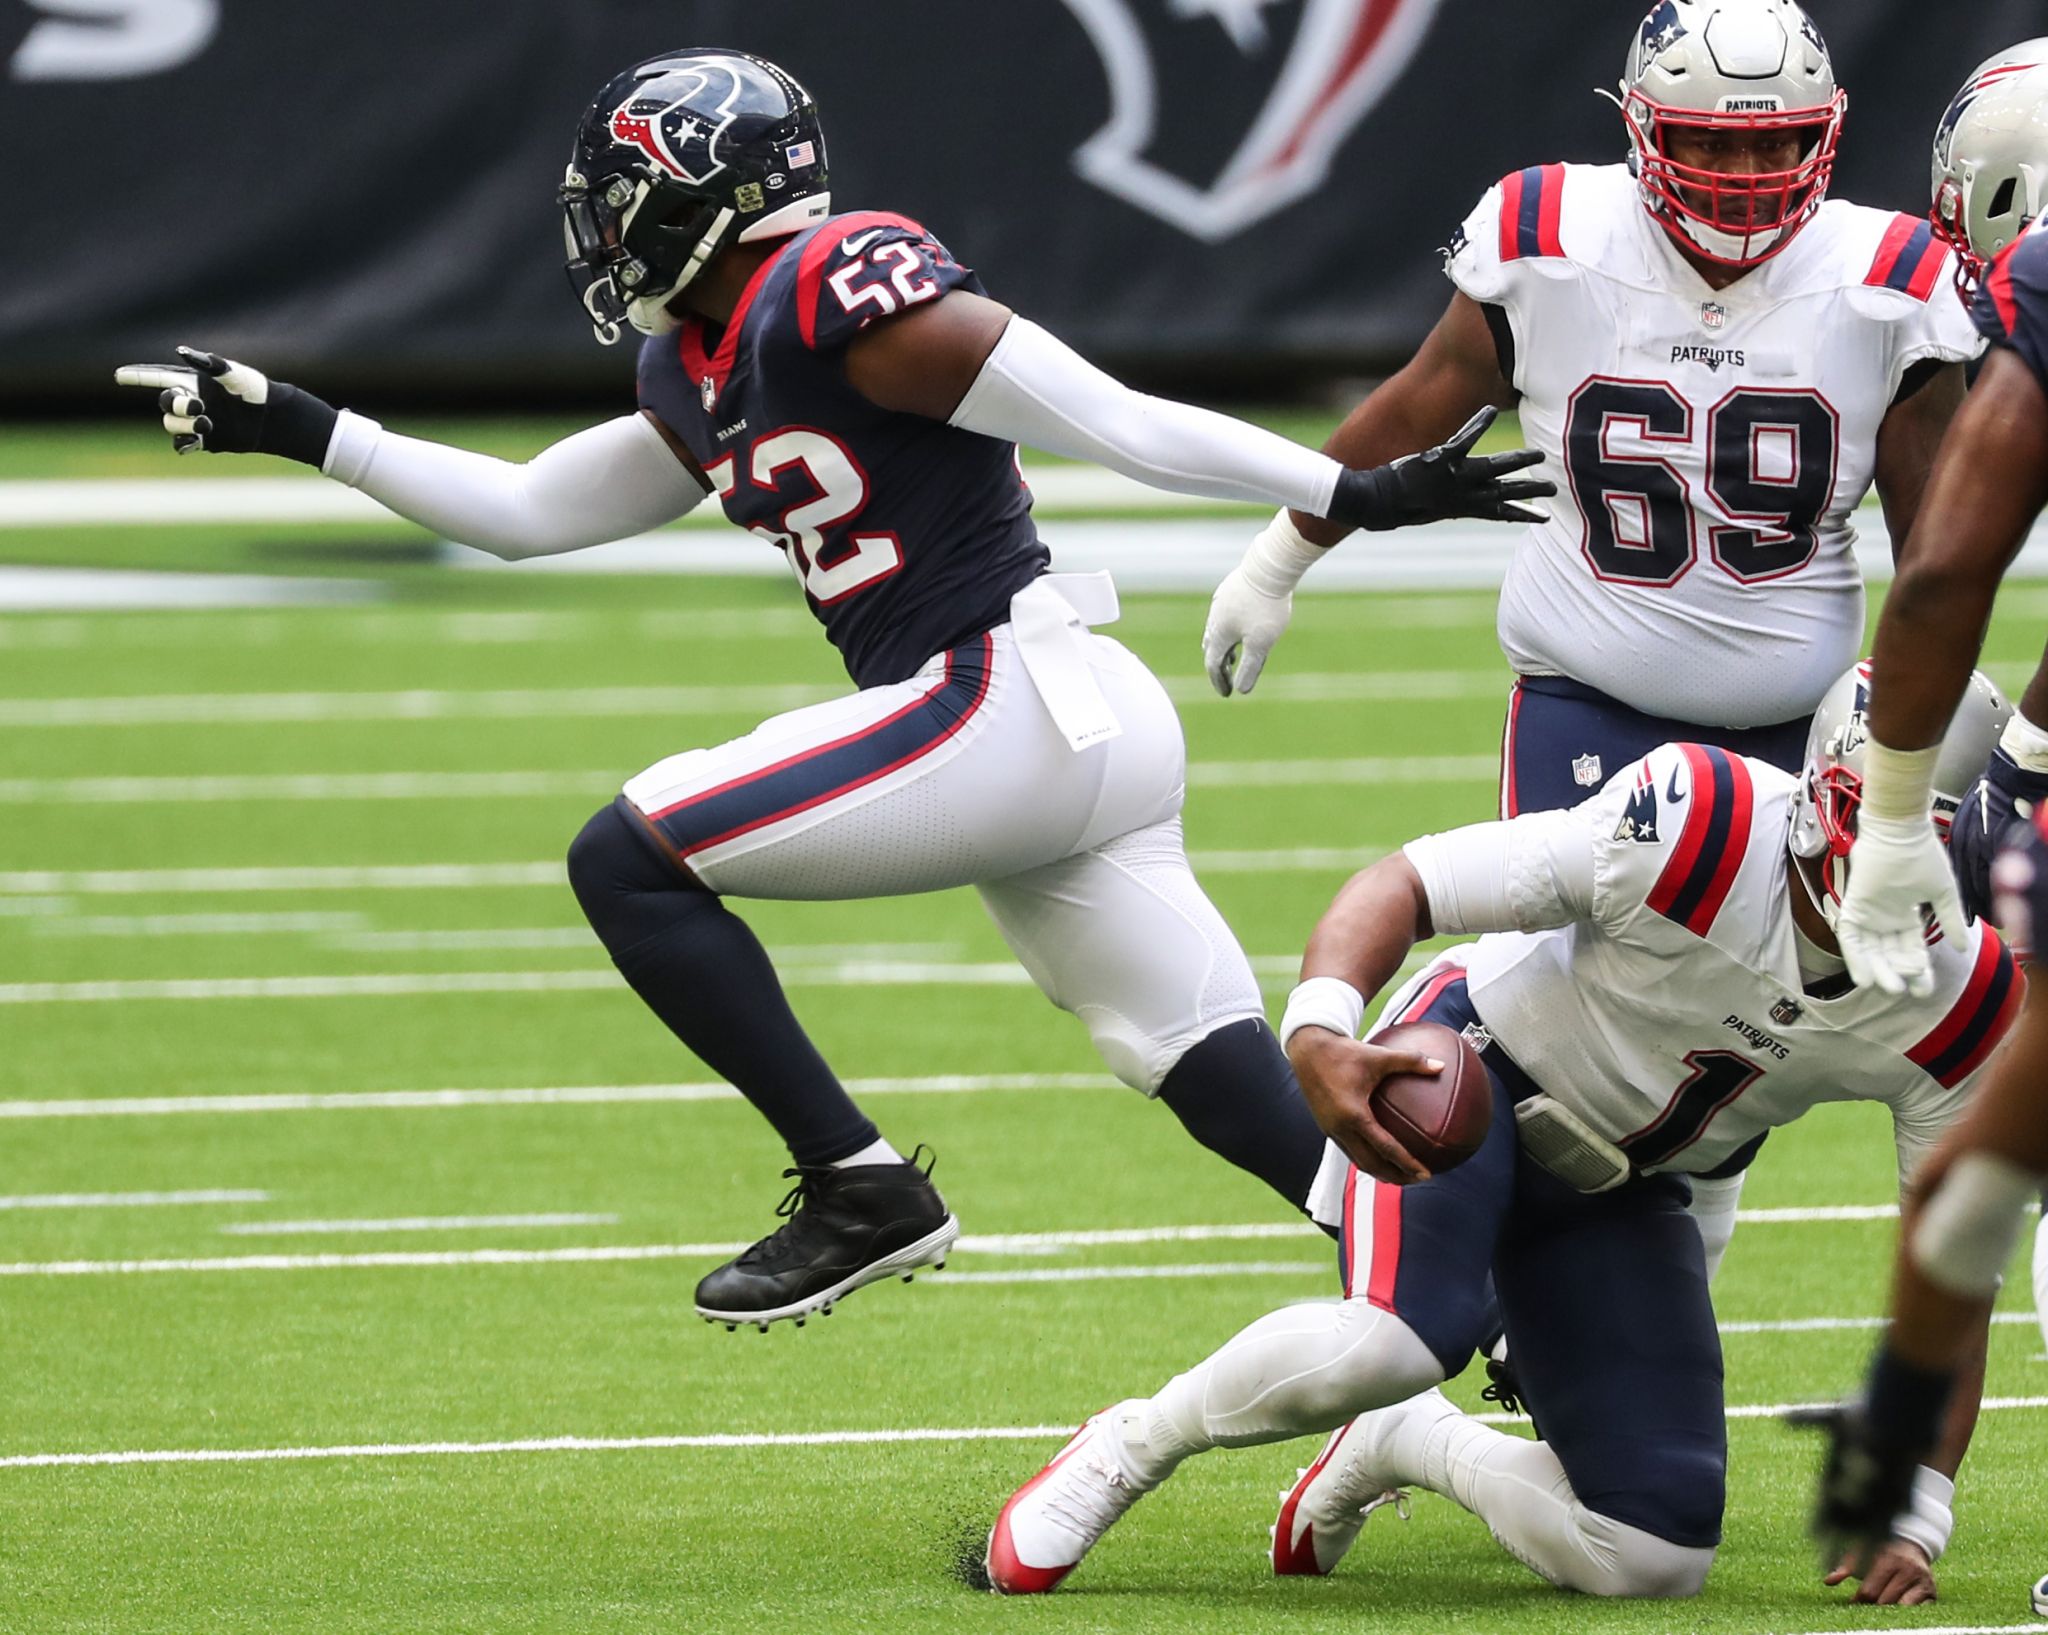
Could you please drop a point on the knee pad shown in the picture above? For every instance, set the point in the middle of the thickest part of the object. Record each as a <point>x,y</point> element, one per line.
<point>1678,1494</point>
<point>611,860</point>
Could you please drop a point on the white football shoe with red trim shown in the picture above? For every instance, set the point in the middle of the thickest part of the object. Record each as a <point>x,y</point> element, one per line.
<point>1054,1519</point>
<point>1322,1515</point>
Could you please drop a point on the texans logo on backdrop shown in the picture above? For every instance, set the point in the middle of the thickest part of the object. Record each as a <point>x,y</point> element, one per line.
<point>1225,111</point>
<point>684,144</point>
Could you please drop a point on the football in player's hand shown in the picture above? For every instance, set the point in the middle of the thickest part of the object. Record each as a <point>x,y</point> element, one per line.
<point>1442,1118</point>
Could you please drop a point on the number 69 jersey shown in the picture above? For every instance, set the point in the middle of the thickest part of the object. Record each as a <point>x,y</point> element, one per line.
<point>1710,447</point>
<point>908,536</point>
<point>1666,1005</point>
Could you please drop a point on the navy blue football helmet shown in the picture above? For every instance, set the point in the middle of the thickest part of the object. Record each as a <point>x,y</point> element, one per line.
<point>680,156</point>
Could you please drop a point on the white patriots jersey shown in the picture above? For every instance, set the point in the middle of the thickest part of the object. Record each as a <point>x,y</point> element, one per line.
<point>1710,448</point>
<point>1666,1008</point>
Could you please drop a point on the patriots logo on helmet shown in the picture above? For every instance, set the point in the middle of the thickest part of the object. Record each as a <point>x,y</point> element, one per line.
<point>682,141</point>
<point>1661,30</point>
<point>1220,114</point>
<point>1945,132</point>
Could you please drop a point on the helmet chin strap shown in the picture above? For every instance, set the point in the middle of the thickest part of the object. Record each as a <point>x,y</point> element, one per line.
<point>1823,905</point>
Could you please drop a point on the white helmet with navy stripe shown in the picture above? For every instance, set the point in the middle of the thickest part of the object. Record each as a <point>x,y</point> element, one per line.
<point>1837,748</point>
<point>1991,158</point>
<point>1740,66</point>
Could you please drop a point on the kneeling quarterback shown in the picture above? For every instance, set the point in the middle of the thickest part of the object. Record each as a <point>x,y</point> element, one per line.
<point>1658,988</point>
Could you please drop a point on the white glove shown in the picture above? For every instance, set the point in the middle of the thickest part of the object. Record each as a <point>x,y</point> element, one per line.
<point>1896,867</point>
<point>1249,612</point>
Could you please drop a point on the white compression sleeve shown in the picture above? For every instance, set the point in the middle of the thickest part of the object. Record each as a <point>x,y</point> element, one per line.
<point>611,481</point>
<point>1295,1371</point>
<point>1529,873</point>
<point>1036,390</point>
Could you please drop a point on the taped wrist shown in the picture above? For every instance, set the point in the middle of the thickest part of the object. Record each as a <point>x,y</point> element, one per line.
<point>1898,784</point>
<point>1278,558</point>
<point>1323,1002</point>
<point>2026,743</point>
<point>296,424</point>
<point>1967,1230</point>
<point>1931,1521</point>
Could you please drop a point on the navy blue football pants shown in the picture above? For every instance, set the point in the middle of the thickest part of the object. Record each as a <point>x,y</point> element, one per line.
<point>1563,740</point>
<point>1604,1295</point>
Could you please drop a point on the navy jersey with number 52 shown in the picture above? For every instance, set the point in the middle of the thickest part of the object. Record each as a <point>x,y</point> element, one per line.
<point>908,535</point>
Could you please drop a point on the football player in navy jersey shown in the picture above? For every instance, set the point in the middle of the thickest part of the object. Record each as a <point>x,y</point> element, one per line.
<point>852,396</point>
<point>1989,486</point>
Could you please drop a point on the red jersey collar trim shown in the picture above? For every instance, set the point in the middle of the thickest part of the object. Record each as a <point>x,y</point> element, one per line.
<point>716,366</point>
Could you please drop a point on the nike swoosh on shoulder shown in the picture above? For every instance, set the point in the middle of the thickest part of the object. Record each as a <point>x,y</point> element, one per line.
<point>1671,789</point>
<point>860,241</point>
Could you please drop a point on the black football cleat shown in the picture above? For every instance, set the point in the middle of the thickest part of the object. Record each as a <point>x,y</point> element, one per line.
<point>845,1228</point>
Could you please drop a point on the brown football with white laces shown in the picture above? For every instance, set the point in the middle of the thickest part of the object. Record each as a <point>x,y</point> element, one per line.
<point>1442,1118</point>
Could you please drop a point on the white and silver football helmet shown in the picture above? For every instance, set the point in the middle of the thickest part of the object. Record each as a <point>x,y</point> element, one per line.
<point>1837,746</point>
<point>1991,159</point>
<point>1741,66</point>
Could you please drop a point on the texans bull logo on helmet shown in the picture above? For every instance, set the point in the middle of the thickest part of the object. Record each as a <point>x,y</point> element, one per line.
<point>1223,112</point>
<point>678,134</point>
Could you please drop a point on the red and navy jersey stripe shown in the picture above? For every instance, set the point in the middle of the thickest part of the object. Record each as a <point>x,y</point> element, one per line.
<point>825,772</point>
<point>1978,1020</point>
<point>1909,258</point>
<point>1701,869</point>
<point>1531,206</point>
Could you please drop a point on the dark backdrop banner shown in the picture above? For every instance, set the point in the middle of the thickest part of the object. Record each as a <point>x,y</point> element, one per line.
<point>1248,190</point>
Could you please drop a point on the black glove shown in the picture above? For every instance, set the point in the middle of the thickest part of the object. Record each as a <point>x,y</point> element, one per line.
<point>1875,1445</point>
<point>224,407</point>
<point>1446,482</point>
<point>2005,795</point>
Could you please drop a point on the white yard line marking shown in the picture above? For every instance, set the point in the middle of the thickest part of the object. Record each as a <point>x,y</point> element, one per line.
<point>1371,769</point>
<point>331,877</point>
<point>772,1439</point>
<point>197,925</point>
<point>1126,1274</point>
<point>1829,1325</point>
<point>343,1101</point>
<point>1825,1212</point>
<point>534,703</point>
<point>46,884</point>
<point>129,1200</point>
<point>410,1223</point>
<point>795,971</point>
<point>1022,1242</point>
<point>392,786</point>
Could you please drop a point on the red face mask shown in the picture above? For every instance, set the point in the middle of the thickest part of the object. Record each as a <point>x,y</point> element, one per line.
<point>1737,220</point>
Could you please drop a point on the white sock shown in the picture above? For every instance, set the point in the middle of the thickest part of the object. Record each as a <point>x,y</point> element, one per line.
<point>877,1151</point>
<point>1519,1489</point>
<point>1294,1372</point>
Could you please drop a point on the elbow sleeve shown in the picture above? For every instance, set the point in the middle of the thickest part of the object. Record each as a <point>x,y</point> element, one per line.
<point>1036,390</point>
<point>608,482</point>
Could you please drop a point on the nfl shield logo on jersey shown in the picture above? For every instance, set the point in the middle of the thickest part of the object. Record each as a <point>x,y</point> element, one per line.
<point>1713,314</point>
<point>1785,1012</point>
<point>708,391</point>
<point>1586,771</point>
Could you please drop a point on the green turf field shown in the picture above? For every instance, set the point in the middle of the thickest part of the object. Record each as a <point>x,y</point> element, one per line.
<point>271,880</point>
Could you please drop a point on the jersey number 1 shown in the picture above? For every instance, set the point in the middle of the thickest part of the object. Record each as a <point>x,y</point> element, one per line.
<point>1771,462</point>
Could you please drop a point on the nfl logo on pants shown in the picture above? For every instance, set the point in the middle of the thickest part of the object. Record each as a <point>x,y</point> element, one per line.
<point>1586,771</point>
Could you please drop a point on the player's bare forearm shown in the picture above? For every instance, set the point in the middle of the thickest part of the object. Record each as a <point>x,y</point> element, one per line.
<point>1989,484</point>
<point>1454,375</point>
<point>1371,927</point>
<point>1908,441</point>
<point>1963,1407</point>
